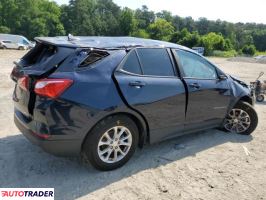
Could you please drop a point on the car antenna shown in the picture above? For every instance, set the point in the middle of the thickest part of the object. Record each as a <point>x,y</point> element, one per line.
<point>70,37</point>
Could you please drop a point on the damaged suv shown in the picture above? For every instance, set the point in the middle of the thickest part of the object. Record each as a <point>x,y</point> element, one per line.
<point>102,97</point>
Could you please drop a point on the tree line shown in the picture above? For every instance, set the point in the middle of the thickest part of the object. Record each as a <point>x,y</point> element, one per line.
<point>33,18</point>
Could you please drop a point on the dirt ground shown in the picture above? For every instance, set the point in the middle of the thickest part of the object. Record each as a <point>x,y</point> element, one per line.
<point>206,165</point>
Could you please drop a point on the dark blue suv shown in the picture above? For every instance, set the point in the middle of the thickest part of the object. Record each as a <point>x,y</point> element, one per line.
<point>101,97</point>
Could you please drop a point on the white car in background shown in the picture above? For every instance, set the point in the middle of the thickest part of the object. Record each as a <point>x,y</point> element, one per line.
<point>8,41</point>
<point>8,44</point>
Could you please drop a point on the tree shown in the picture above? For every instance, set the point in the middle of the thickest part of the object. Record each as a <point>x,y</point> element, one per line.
<point>249,50</point>
<point>178,23</point>
<point>213,41</point>
<point>186,38</point>
<point>203,25</point>
<point>144,17</point>
<point>127,21</point>
<point>141,33</point>
<point>31,17</point>
<point>4,29</point>
<point>161,30</point>
<point>259,38</point>
<point>164,14</point>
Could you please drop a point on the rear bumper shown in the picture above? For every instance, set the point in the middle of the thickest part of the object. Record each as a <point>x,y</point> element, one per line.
<point>56,147</point>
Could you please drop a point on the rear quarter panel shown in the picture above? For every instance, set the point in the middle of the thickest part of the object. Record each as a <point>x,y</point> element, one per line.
<point>92,97</point>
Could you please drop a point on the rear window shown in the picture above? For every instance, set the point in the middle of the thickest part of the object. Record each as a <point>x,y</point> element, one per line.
<point>155,62</point>
<point>40,53</point>
<point>92,57</point>
<point>131,64</point>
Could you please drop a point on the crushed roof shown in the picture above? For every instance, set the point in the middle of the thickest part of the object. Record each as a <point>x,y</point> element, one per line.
<point>106,42</point>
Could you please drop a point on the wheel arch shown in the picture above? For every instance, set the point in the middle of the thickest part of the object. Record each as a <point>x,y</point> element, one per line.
<point>247,99</point>
<point>244,98</point>
<point>139,120</point>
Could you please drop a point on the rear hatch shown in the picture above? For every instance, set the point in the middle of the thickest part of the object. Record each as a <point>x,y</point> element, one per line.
<point>38,63</point>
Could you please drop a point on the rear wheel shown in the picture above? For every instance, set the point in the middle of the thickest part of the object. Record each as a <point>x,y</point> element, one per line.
<point>111,143</point>
<point>260,98</point>
<point>20,48</point>
<point>242,119</point>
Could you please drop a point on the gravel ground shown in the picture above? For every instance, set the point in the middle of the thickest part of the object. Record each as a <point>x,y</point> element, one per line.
<point>257,59</point>
<point>205,165</point>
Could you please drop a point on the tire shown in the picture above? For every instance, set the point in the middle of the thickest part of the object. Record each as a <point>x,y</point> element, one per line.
<point>260,98</point>
<point>4,47</point>
<point>248,118</point>
<point>91,149</point>
<point>20,48</point>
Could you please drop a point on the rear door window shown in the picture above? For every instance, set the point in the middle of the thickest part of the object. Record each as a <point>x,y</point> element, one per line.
<point>155,61</point>
<point>132,64</point>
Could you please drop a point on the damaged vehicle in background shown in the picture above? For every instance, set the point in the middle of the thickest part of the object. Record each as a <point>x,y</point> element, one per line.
<point>102,97</point>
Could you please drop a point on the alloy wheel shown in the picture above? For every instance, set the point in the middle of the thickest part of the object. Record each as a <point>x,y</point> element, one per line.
<point>114,145</point>
<point>237,121</point>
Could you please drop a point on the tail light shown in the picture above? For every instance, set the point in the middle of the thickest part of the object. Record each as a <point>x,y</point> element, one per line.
<point>23,83</point>
<point>43,136</point>
<point>52,87</point>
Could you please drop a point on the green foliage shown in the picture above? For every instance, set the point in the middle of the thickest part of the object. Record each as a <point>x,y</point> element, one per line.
<point>144,17</point>
<point>213,41</point>
<point>161,30</point>
<point>249,50</point>
<point>33,18</point>
<point>260,53</point>
<point>4,29</point>
<point>186,38</point>
<point>141,33</point>
<point>225,54</point>
<point>259,38</point>
<point>127,21</point>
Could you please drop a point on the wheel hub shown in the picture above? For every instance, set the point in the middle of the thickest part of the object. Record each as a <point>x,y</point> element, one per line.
<point>114,144</point>
<point>237,121</point>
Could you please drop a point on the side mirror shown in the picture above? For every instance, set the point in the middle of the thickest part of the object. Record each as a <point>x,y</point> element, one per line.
<point>222,77</point>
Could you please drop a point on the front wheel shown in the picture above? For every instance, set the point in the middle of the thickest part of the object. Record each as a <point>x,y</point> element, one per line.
<point>111,143</point>
<point>242,119</point>
<point>260,98</point>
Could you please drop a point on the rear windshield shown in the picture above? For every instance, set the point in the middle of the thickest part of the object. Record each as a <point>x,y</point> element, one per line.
<point>39,53</point>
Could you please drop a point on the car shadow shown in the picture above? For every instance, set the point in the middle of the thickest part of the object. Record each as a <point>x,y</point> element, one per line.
<point>261,103</point>
<point>25,165</point>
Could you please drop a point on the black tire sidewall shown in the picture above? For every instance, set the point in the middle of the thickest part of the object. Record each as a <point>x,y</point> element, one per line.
<point>252,114</point>
<point>260,100</point>
<point>90,146</point>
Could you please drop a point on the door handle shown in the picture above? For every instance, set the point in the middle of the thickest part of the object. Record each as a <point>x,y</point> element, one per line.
<point>194,85</point>
<point>137,84</point>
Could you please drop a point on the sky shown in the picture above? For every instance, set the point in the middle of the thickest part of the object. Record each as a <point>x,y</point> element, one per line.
<point>228,10</point>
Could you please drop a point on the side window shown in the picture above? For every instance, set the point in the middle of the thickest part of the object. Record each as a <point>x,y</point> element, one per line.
<point>155,62</point>
<point>196,67</point>
<point>131,63</point>
<point>25,42</point>
<point>93,57</point>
